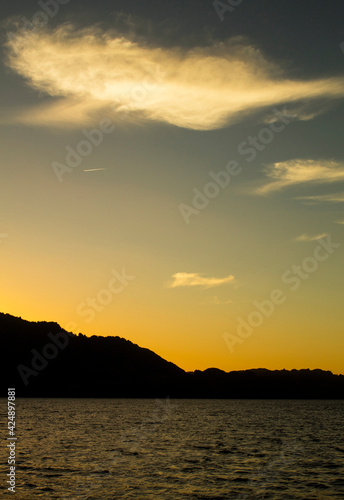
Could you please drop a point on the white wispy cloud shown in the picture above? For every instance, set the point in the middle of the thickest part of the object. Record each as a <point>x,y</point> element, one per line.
<point>195,279</point>
<point>216,301</point>
<point>301,112</point>
<point>330,198</point>
<point>309,237</point>
<point>89,71</point>
<point>293,172</point>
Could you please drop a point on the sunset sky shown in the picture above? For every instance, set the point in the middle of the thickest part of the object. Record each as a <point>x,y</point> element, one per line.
<point>168,167</point>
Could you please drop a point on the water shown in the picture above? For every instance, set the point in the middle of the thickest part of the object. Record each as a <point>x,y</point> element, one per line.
<point>178,449</point>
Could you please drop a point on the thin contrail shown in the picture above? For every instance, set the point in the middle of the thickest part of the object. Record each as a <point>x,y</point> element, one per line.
<point>94,169</point>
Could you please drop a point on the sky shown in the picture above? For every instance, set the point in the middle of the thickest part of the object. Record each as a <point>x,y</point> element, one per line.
<point>173,173</point>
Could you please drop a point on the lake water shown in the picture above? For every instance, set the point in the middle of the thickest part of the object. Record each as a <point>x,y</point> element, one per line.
<point>177,449</point>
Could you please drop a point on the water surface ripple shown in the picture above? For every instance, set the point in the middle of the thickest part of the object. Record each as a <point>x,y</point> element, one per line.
<point>177,449</point>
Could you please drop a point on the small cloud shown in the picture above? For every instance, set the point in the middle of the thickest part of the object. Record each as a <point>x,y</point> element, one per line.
<point>331,198</point>
<point>194,279</point>
<point>298,112</point>
<point>309,237</point>
<point>339,222</point>
<point>216,301</point>
<point>294,172</point>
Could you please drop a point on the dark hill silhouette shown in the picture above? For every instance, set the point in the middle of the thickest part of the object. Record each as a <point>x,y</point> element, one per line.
<point>42,360</point>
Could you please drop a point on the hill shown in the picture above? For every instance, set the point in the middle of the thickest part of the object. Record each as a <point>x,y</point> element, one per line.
<point>42,360</point>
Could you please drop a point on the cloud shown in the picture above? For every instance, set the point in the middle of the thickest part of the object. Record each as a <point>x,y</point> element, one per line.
<point>307,237</point>
<point>90,72</point>
<point>339,222</point>
<point>293,172</point>
<point>216,301</point>
<point>330,198</point>
<point>300,112</point>
<point>194,279</point>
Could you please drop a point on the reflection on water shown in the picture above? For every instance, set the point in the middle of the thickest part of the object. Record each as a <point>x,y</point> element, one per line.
<point>178,449</point>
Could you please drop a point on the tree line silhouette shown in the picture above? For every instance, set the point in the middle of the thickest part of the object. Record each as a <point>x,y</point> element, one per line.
<point>40,359</point>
